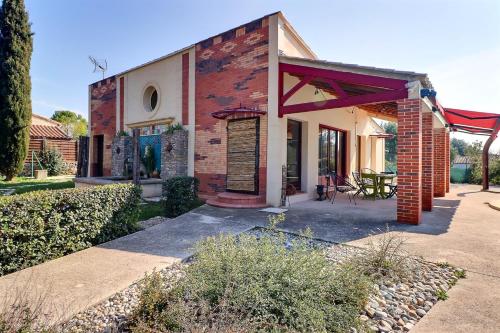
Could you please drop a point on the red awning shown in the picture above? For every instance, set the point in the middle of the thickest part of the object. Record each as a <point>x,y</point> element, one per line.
<point>472,121</point>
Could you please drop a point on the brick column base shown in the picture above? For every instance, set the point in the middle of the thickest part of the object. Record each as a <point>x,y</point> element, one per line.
<point>427,161</point>
<point>409,205</point>
<point>439,162</point>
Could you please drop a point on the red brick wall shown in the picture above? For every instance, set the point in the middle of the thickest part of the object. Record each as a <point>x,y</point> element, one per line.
<point>447,154</point>
<point>427,161</point>
<point>103,117</point>
<point>231,70</point>
<point>439,162</point>
<point>409,205</point>
<point>185,89</point>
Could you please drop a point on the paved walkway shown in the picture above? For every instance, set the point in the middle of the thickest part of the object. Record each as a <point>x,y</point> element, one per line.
<point>76,281</point>
<point>462,230</point>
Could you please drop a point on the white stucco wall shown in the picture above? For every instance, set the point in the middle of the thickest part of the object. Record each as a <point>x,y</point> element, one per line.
<point>289,43</point>
<point>276,127</point>
<point>352,120</point>
<point>166,75</point>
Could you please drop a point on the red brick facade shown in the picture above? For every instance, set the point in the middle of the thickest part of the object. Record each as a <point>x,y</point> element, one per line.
<point>427,161</point>
<point>231,70</point>
<point>409,205</point>
<point>439,162</point>
<point>185,89</point>
<point>103,119</point>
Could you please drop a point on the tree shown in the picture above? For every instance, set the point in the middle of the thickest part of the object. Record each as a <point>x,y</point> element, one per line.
<point>459,146</point>
<point>16,47</point>
<point>74,124</point>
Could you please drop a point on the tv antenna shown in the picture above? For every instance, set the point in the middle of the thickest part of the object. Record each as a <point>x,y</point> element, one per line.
<point>99,65</point>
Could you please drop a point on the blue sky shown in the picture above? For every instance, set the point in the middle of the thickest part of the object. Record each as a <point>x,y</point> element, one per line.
<point>457,42</point>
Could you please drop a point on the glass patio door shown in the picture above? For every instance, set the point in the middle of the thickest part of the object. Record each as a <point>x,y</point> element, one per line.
<point>293,153</point>
<point>332,151</point>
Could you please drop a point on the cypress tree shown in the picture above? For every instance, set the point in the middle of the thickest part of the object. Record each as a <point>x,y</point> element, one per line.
<point>16,46</point>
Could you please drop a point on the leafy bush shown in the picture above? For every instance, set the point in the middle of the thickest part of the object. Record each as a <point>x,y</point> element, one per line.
<point>245,284</point>
<point>149,160</point>
<point>172,128</point>
<point>40,226</point>
<point>180,195</point>
<point>52,160</point>
<point>384,258</point>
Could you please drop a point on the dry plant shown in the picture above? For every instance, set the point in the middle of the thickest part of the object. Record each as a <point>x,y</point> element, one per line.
<point>384,256</point>
<point>25,311</point>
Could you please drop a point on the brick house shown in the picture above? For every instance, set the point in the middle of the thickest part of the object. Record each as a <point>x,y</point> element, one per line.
<point>255,98</point>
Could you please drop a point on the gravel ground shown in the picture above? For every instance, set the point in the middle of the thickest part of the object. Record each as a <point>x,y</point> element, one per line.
<point>392,307</point>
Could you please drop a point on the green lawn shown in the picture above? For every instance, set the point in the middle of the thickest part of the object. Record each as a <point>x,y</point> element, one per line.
<point>151,209</point>
<point>25,184</point>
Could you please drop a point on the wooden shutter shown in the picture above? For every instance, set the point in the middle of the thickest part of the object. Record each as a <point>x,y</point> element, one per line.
<point>242,155</point>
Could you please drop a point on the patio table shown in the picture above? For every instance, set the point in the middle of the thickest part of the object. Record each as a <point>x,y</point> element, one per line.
<point>379,182</point>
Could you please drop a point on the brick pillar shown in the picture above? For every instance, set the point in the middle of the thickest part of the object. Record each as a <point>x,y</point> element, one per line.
<point>439,162</point>
<point>447,154</point>
<point>427,161</point>
<point>409,205</point>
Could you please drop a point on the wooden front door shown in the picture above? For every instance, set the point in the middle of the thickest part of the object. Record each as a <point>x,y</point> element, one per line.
<point>243,155</point>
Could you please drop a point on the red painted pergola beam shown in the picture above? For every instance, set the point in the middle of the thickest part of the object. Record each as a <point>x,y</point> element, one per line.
<point>346,77</point>
<point>394,89</point>
<point>372,98</point>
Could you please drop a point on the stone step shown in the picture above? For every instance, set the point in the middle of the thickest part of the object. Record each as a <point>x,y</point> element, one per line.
<point>237,200</point>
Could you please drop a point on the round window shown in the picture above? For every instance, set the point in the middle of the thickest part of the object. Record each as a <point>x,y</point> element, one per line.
<point>150,100</point>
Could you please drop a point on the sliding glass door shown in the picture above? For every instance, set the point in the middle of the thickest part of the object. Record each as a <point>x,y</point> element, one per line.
<point>332,151</point>
<point>293,153</point>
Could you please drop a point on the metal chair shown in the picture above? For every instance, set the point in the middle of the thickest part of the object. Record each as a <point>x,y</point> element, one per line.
<point>368,171</point>
<point>366,184</point>
<point>342,185</point>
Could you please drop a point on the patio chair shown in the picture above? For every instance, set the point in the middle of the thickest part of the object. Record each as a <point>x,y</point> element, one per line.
<point>343,185</point>
<point>368,171</point>
<point>365,185</point>
<point>393,189</point>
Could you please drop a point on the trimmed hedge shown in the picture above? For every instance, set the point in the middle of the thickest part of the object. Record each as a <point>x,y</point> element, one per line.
<point>39,226</point>
<point>180,195</point>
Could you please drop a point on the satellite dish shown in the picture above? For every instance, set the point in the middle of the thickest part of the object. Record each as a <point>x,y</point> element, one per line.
<point>100,65</point>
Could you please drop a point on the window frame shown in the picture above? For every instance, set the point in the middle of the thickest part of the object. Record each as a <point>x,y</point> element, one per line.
<point>343,152</point>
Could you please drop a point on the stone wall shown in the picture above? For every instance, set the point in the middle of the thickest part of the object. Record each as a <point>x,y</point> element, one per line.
<point>121,152</point>
<point>174,154</point>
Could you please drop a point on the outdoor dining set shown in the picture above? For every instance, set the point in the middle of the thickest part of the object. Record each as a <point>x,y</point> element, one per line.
<point>367,183</point>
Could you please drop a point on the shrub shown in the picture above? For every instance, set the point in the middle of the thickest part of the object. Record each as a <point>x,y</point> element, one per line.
<point>180,195</point>
<point>172,128</point>
<point>39,226</point>
<point>384,258</point>
<point>149,160</point>
<point>245,284</point>
<point>52,160</point>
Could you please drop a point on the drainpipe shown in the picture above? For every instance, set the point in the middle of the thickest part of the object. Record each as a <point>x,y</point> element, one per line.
<point>486,160</point>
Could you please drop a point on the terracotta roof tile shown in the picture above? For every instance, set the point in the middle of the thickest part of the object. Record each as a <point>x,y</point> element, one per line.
<point>50,132</point>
